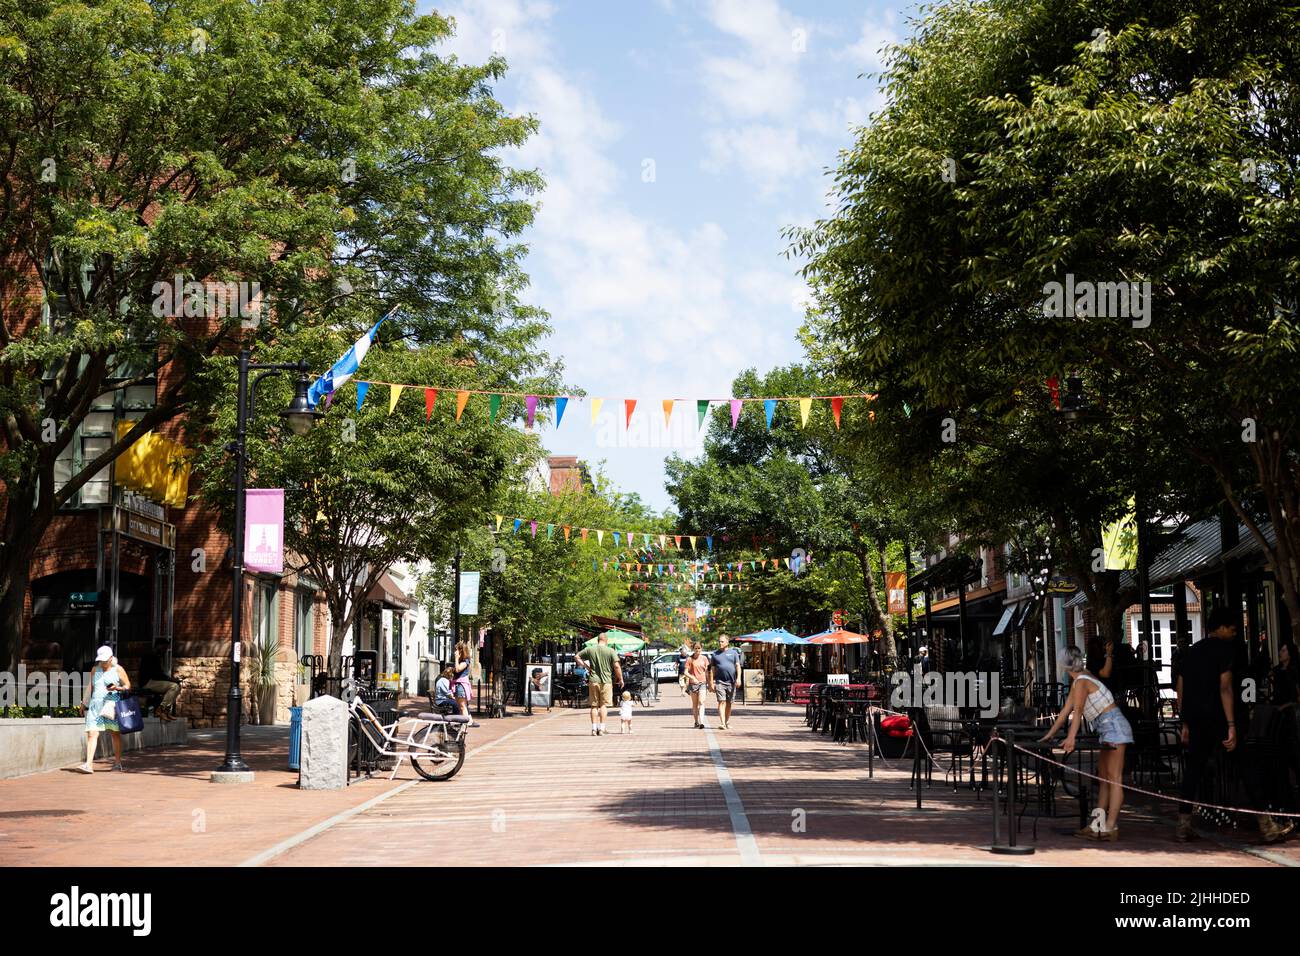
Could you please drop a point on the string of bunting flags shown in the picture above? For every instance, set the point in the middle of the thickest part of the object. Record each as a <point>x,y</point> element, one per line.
<point>649,541</point>
<point>559,403</point>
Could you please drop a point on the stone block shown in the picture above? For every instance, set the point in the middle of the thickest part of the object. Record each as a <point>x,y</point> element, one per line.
<point>324,760</point>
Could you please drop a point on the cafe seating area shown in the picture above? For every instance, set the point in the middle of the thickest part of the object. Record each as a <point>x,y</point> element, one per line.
<point>965,751</point>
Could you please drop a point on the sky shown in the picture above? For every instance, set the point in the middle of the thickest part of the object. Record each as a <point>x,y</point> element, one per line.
<point>677,140</point>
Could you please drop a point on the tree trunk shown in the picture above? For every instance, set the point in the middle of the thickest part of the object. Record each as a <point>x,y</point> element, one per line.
<point>13,588</point>
<point>877,615</point>
<point>20,542</point>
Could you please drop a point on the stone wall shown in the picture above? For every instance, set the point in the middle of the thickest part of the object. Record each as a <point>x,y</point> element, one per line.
<point>207,686</point>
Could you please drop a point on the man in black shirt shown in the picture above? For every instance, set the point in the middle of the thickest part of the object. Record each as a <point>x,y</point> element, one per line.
<point>1207,707</point>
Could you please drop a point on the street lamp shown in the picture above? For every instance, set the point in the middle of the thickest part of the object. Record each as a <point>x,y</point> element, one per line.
<point>300,417</point>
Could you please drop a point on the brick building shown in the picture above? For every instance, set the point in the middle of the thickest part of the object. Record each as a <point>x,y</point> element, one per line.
<point>116,567</point>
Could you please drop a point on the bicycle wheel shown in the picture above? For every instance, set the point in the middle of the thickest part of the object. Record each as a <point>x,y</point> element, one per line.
<point>444,764</point>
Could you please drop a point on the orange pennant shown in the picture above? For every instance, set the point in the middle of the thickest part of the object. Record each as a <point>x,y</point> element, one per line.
<point>668,410</point>
<point>430,396</point>
<point>629,404</point>
<point>461,399</point>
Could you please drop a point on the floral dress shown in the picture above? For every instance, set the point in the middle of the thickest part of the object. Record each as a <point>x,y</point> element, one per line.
<point>99,696</point>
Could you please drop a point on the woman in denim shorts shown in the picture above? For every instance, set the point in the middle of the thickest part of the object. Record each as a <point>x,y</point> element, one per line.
<point>1090,700</point>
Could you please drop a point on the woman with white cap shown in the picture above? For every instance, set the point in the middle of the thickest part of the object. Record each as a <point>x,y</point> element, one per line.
<point>100,706</point>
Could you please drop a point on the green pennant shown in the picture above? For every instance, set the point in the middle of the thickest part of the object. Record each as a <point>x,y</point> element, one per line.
<point>550,531</point>
<point>494,406</point>
<point>701,409</point>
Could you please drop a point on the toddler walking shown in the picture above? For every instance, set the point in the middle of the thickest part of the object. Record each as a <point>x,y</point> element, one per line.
<point>625,713</point>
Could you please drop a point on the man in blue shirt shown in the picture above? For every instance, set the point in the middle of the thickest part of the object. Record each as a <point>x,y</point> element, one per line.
<point>724,669</point>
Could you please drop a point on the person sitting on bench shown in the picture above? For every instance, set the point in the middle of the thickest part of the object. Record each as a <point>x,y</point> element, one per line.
<point>443,699</point>
<point>155,680</point>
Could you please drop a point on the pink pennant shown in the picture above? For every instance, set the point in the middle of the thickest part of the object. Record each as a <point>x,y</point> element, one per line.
<point>735,411</point>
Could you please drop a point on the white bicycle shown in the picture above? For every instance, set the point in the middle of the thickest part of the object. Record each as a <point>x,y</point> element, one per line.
<point>433,743</point>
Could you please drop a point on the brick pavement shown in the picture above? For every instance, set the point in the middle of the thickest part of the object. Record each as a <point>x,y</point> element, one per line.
<point>164,810</point>
<point>543,791</point>
<point>554,795</point>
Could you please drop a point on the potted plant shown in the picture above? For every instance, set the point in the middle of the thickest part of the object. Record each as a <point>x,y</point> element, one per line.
<point>262,677</point>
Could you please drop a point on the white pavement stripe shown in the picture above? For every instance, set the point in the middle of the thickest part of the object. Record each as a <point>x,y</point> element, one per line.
<point>299,838</point>
<point>745,842</point>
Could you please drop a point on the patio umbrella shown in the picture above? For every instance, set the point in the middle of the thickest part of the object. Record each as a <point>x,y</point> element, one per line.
<point>773,635</point>
<point>837,636</point>
<point>621,641</point>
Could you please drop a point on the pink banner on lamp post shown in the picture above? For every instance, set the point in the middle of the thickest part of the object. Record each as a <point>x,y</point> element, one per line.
<point>264,530</point>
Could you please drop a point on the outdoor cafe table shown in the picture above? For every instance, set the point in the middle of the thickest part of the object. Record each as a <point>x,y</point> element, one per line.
<point>799,689</point>
<point>1048,774</point>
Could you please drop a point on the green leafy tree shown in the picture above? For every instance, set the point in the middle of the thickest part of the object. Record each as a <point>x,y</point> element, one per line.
<point>1094,145</point>
<point>326,153</point>
<point>371,486</point>
<point>538,583</point>
<point>771,491</point>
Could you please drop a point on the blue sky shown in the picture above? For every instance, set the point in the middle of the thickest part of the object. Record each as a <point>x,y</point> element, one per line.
<point>677,140</point>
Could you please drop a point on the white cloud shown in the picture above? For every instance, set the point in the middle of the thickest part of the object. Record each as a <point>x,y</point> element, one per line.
<point>770,156</point>
<point>762,78</point>
<point>873,37</point>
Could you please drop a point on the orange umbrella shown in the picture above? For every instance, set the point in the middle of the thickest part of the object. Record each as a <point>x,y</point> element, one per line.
<point>838,636</point>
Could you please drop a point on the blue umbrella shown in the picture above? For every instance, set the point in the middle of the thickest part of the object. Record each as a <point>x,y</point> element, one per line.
<point>773,635</point>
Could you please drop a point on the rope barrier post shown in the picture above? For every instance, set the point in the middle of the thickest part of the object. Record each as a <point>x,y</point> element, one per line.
<point>871,741</point>
<point>997,785</point>
<point>916,757</point>
<point>1012,764</point>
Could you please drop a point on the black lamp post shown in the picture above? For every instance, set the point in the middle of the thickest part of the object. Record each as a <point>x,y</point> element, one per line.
<point>300,417</point>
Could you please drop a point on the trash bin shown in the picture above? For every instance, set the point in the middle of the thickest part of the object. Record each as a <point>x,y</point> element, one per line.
<point>295,736</point>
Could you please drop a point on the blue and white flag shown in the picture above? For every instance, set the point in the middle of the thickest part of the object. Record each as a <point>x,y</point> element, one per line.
<point>345,367</point>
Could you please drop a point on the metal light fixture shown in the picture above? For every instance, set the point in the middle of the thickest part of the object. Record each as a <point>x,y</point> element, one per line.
<point>1074,404</point>
<point>300,415</point>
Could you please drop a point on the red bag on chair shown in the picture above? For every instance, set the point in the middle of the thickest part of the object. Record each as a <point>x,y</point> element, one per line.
<point>896,725</point>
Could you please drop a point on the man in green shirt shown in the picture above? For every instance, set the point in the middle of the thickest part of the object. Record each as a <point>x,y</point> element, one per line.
<point>601,662</point>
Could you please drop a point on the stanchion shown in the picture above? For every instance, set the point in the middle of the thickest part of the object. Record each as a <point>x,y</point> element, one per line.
<point>871,742</point>
<point>1010,848</point>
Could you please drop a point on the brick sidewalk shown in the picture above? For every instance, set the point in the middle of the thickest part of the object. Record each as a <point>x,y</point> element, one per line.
<point>555,795</point>
<point>163,810</point>
<point>542,790</point>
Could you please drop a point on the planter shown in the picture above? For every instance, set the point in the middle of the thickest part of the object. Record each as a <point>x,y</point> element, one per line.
<point>32,745</point>
<point>266,700</point>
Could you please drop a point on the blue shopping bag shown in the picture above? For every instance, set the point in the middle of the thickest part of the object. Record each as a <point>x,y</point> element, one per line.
<point>129,718</point>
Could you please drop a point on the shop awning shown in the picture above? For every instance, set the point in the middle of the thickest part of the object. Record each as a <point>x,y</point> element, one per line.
<point>1004,623</point>
<point>387,593</point>
<point>954,571</point>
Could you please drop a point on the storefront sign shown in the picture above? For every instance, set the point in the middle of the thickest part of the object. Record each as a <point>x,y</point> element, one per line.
<point>837,679</point>
<point>538,676</point>
<point>264,530</point>
<point>139,527</point>
<point>753,686</point>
